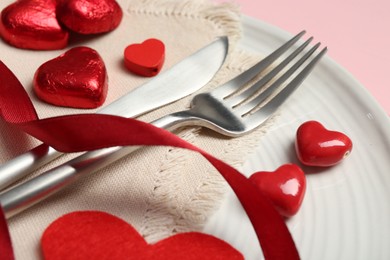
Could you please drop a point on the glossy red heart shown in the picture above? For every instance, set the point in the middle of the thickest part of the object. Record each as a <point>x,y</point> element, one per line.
<point>317,146</point>
<point>89,16</point>
<point>285,187</point>
<point>99,235</point>
<point>77,78</point>
<point>32,24</point>
<point>145,59</point>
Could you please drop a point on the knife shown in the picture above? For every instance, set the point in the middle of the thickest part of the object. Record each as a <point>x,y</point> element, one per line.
<point>181,80</point>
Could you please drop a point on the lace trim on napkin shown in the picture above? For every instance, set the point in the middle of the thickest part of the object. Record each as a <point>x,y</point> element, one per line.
<point>223,15</point>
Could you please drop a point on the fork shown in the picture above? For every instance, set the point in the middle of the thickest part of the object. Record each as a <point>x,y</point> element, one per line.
<point>232,109</point>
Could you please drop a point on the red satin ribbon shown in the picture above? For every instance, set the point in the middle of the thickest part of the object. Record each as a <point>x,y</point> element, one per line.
<point>6,252</point>
<point>93,131</point>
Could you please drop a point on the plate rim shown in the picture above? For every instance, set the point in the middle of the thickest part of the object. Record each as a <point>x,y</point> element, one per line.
<point>347,80</point>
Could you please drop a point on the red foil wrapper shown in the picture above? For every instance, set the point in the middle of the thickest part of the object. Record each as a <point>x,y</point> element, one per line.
<point>77,78</point>
<point>89,16</point>
<point>32,24</point>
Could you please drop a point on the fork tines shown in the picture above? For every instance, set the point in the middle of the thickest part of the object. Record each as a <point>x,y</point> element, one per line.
<point>291,68</point>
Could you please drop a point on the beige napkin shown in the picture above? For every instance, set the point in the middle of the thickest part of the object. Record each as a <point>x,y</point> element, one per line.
<point>159,190</point>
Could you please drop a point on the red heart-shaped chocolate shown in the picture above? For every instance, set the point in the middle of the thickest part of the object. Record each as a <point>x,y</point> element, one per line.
<point>89,16</point>
<point>285,187</point>
<point>77,78</point>
<point>32,24</point>
<point>145,59</point>
<point>99,235</point>
<point>317,146</point>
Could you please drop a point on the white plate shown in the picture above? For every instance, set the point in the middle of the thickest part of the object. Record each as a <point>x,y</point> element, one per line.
<point>346,210</point>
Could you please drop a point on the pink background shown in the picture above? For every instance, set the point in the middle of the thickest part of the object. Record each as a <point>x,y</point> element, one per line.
<point>357,33</point>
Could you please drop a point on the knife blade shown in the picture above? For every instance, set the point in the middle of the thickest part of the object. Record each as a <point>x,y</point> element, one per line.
<point>183,79</point>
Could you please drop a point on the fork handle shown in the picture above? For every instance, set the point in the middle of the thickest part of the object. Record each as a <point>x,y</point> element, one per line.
<point>29,193</point>
<point>23,164</point>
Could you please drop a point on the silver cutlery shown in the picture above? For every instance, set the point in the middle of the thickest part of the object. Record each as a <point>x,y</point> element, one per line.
<point>181,80</point>
<point>229,109</point>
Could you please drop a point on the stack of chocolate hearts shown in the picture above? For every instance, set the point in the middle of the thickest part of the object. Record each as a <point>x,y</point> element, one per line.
<point>45,24</point>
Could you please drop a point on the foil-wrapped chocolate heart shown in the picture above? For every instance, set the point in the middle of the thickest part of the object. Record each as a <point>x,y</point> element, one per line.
<point>32,24</point>
<point>89,16</point>
<point>78,78</point>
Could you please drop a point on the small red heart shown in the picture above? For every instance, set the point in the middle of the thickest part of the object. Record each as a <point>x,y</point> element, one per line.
<point>145,59</point>
<point>77,78</point>
<point>317,146</point>
<point>285,187</point>
<point>32,24</point>
<point>89,16</point>
<point>99,235</point>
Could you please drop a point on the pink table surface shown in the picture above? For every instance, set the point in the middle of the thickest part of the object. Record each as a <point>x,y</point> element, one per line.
<point>357,33</point>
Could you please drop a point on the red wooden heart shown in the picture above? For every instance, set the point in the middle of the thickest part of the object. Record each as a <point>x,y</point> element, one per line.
<point>32,24</point>
<point>89,16</point>
<point>98,235</point>
<point>77,78</point>
<point>285,187</point>
<point>317,146</point>
<point>145,59</point>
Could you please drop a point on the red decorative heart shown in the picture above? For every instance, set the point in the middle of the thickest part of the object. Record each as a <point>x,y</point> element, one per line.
<point>145,59</point>
<point>32,24</point>
<point>317,146</point>
<point>77,78</point>
<point>89,16</point>
<point>285,187</point>
<point>99,235</point>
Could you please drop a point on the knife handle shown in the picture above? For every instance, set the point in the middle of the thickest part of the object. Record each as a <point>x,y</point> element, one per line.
<point>29,193</point>
<point>20,166</point>
<point>37,189</point>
